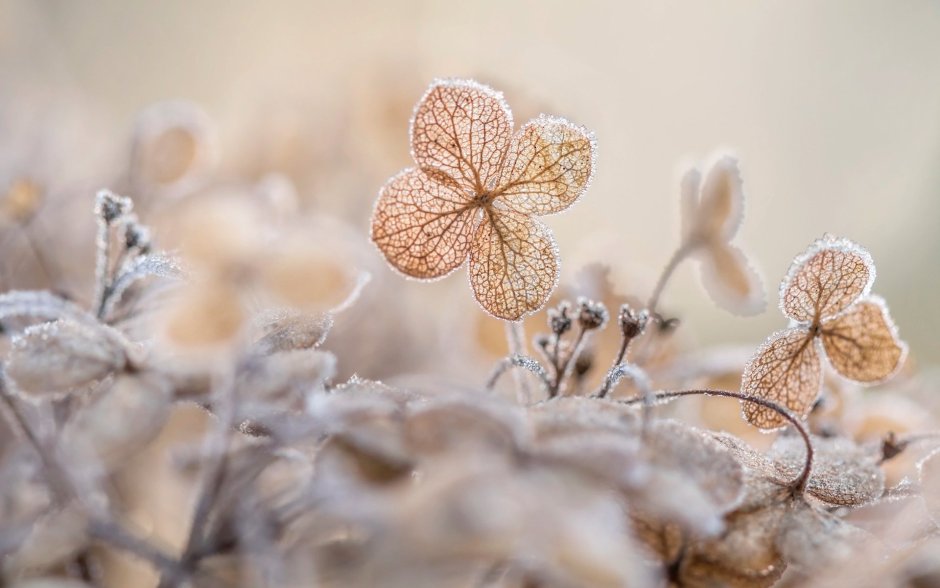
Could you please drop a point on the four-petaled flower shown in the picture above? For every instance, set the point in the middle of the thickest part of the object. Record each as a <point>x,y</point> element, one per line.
<point>474,192</point>
<point>826,296</point>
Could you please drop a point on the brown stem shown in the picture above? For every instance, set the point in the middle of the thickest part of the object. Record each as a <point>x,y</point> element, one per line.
<point>518,361</point>
<point>564,370</point>
<point>799,483</point>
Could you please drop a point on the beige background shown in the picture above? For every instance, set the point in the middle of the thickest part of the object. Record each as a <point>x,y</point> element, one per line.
<point>833,108</point>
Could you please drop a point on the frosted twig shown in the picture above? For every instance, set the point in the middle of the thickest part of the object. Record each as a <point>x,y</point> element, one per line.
<point>520,361</point>
<point>515,337</point>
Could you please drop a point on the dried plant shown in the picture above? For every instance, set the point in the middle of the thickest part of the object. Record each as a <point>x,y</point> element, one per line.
<point>188,423</point>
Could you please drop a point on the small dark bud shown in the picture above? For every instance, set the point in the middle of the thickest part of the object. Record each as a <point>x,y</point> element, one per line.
<point>109,206</point>
<point>891,446</point>
<point>591,314</point>
<point>632,321</point>
<point>137,236</point>
<point>558,320</point>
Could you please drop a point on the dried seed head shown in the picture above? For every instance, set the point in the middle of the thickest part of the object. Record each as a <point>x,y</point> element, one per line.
<point>63,355</point>
<point>632,321</point>
<point>558,320</point>
<point>109,206</point>
<point>591,314</point>
<point>137,236</point>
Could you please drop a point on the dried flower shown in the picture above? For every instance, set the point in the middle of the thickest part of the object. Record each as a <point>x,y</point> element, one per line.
<point>711,215</point>
<point>591,314</point>
<point>826,295</point>
<point>475,192</point>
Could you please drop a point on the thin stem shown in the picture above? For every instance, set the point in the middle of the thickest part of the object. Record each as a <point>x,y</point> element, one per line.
<point>799,483</point>
<point>563,372</point>
<point>677,258</point>
<point>618,360</point>
<point>515,337</point>
<point>518,361</point>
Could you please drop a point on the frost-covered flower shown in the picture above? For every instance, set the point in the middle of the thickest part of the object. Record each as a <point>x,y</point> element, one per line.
<point>826,296</point>
<point>475,191</point>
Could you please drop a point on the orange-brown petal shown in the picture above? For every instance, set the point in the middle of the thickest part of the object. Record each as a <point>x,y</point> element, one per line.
<point>862,343</point>
<point>513,264</point>
<point>828,278</point>
<point>786,370</point>
<point>462,129</point>
<point>422,226</point>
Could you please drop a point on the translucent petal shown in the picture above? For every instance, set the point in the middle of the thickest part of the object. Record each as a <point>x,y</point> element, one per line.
<point>731,281</point>
<point>549,166</point>
<point>422,226</point>
<point>462,129</point>
<point>862,343</point>
<point>830,276</point>
<point>785,370</point>
<point>513,264</point>
<point>721,207</point>
<point>843,473</point>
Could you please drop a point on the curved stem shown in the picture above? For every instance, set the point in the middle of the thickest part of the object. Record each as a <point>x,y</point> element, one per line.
<point>799,483</point>
<point>678,257</point>
<point>518,361</point>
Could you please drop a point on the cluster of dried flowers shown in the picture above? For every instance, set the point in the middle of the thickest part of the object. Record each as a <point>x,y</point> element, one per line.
<point>188,427</point>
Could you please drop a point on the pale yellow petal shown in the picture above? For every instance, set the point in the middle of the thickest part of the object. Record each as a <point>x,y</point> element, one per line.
<point>549,166</point>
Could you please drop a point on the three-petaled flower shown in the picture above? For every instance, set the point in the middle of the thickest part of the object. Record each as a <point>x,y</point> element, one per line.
<point>474,192</point>
<point>826,296</point>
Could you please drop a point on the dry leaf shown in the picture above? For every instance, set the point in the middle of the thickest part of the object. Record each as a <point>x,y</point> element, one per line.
<point>473,194</point>
<point>63,355</point>
<point>786,370</point>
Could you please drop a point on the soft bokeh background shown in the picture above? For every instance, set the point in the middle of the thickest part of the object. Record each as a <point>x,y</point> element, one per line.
<point>833,108</point>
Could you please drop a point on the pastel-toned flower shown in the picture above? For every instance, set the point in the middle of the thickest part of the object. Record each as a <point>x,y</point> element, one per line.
<point>474,193</point>
<point>826,295</point>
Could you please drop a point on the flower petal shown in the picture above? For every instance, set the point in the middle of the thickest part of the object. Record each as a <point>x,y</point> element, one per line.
<point>721,207</point>
<point>462,129</point>
<point>785,370</point>
<point>862,343</point>
<point>549,166</point>
<point>513,264</point>
<point>731,281</point>
<point>827,279</point>
<point>422,226</point>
